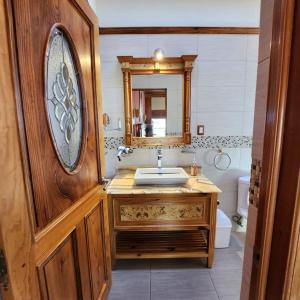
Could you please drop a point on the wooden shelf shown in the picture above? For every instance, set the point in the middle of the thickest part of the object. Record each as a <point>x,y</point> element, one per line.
<point>163,244</point>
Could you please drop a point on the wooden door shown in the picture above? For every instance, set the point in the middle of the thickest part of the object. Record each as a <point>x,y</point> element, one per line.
<point>270,108</point>
<point>54,220</point>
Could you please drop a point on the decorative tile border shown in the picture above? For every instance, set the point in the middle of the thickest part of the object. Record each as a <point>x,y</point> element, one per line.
<point>198,142</point>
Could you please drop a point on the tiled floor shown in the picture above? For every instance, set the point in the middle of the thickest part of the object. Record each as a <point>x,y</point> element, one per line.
<point>185,279</point>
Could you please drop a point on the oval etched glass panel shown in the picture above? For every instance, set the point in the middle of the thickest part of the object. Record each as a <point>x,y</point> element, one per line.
<point>63,99</point>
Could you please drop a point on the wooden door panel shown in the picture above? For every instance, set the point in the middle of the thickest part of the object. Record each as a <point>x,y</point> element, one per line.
<point>83,260</point>
<point>96,249</point>
<point>54,190</point>
<point>58,273</point>
<point>80,261</point>
<point>86,225</point>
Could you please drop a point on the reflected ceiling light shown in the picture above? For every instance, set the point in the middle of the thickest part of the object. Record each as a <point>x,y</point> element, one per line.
<point>158,54</point>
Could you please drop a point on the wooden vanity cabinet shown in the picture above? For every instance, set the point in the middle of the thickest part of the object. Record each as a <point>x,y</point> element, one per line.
<point>163,225</point>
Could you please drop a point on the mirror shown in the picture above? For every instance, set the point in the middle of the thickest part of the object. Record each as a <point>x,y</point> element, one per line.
<point>157,105</point>
<point>157,97</point>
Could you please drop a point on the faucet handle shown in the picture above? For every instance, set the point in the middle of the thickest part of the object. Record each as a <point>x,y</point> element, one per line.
<point>123,150</point>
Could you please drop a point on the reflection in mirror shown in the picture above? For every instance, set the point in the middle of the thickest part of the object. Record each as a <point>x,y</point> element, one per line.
<point>157,105</point>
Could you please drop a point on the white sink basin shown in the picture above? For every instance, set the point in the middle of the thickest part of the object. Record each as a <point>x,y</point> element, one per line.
<point>155,176</point>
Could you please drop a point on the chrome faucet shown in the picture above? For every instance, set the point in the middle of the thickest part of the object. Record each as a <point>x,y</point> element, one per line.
<point>159,158</point>
<point>122,150</point>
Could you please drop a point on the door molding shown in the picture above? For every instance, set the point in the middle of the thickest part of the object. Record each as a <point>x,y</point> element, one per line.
<point>286,221</point>
<point>278,77</point>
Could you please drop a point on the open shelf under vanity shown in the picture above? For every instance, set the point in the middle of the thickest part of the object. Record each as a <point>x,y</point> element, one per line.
<point>161,244</point>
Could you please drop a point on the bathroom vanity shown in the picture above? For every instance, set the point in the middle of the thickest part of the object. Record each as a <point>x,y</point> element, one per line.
<point>162,221</point>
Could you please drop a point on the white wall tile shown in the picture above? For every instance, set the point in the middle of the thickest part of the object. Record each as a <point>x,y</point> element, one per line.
<point>207,161</point>
<point>252,47</point>
<point>111,75</point>
<point>227,181</point>
<point>112,129</point>
<point>195,73</point>
<point>194,123</point>
<point>113,100</point>
<point>245,160</point>
<point>224,47</point>
<point>228,202</point>
<point>251,73</point>
<point>112,46</point>
<point>221,123</point>
<point>210,99</point>
<point>249,99</point>
<point>110,164</point>
<point>172,45</point>
<point>194,99</point>
<point>221,73</point>
<point>248,120</point>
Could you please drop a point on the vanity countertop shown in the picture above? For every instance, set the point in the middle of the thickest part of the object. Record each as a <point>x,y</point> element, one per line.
<point>123,183</point>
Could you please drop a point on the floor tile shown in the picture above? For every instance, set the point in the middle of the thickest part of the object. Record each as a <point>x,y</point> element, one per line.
<point>240,238</point>
<point>185,284</point>
<point>227,282</point>
<point>130,285</point>
<point>173,265</point>
<point>180,279</point>
<point>237,297</point>
<point>235,242</point>
<point>227,260</point>
<point>132,264</point>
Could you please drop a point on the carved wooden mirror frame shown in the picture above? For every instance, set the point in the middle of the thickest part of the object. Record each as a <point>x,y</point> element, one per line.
<point>169,65</point>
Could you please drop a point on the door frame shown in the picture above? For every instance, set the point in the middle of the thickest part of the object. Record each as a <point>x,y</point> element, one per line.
<point>280,44</point>
<point>283,277</point>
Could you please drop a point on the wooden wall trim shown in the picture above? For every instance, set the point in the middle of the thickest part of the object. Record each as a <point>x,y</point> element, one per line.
<point>178,30</point>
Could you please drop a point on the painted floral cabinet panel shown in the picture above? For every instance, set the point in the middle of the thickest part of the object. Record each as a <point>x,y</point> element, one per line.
<point>161,210</point>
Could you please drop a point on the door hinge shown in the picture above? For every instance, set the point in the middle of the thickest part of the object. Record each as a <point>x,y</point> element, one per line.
<point>3,271</point>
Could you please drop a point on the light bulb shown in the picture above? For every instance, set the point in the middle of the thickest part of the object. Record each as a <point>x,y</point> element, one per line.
<point>158,54</point>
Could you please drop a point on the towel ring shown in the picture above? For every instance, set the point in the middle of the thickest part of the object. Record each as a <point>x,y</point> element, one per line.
<point>218,158</point>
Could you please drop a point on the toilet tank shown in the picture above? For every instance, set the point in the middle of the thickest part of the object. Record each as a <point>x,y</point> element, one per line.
<point>243,196</point>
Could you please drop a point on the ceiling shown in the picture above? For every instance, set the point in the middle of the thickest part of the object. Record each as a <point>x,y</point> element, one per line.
<point>215,13</point>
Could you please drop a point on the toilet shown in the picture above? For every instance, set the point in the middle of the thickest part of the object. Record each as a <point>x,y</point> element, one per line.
<point>224,225</point>
<point>243,196</point>
<point>223,230</point>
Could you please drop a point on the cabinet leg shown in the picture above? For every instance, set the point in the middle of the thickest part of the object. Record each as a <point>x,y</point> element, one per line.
<point>209,261</point>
